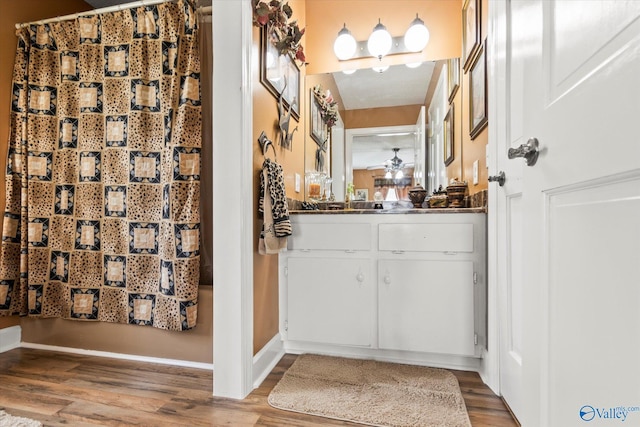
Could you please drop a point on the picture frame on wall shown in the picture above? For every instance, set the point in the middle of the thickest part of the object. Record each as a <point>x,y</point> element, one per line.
<point>318,129</point>
<point>470,32</point>
<point>478,94</point>
<point>361,194</point>
<point>279,74</point>
<point>453,77</point>
<point>449,136</point>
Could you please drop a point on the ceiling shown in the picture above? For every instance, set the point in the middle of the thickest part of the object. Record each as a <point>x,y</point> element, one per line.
<point>399,85</point>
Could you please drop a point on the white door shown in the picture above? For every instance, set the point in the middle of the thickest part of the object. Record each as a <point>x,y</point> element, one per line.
<point>420,154</point>
<point>508,51</point>
<point>580,211</point>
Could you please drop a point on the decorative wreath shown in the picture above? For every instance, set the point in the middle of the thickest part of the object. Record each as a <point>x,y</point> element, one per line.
<point>328,106</point>
<point>276,14</point>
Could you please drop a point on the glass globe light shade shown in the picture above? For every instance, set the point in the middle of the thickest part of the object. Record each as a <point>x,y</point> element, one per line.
<point>380,68</point>
<point>349,72</point>
<point>345,45</point>
<point>387,175</point>
<point>413,64</point>
<point>417,36</point>
<point>400,174</point>
<point>380,41</point>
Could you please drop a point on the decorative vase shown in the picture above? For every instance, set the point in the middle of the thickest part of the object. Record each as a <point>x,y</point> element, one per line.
<point>417,195</point>
<point>456,193</point>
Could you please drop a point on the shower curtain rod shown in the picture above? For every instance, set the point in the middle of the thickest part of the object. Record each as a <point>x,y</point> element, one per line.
<point>139,3</point>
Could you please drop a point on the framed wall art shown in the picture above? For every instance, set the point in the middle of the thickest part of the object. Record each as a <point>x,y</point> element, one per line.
<point>449,136</point>
<point>361,194</point>
<point>317,125</point>
<point>470,31</point>
<point>453,77</point>
<point>279,73</point>
<point>478,94</point>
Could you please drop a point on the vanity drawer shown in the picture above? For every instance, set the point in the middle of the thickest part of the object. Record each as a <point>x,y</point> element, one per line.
<point>426,237</point>
<point>334,236</point>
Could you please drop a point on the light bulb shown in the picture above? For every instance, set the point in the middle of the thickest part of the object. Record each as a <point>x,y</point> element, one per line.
<point>387,175</point>
<point>413,64</point>
<point>417,36</point>
<point>380,68</point>
<point>345,45</point>
<point>348,72</point>
<point>380,41</point>
<point>400,174</point>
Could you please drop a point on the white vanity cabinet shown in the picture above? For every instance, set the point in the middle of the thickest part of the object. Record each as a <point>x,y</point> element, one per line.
<point>330,300</point>
<point>404,287</point>
<point>426,306</point>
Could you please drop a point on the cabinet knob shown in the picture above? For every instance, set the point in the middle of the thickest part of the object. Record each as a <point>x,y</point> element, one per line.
<point>387,279</point>
<point>360,277</point>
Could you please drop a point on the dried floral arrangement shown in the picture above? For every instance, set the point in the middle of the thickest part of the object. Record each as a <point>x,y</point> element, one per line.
<point>328,106</point>
<point>276,14</point>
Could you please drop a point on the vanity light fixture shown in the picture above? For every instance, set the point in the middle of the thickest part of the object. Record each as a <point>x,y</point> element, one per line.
<point>380,42</point>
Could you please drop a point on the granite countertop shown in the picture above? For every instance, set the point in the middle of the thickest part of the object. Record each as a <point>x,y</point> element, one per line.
<point>388,211</point>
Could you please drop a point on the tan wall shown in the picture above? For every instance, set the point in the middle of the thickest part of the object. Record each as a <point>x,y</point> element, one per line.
<point>265,118</point>
<point>363,178</point>
<point>385,116</point>
<point>325,18</point>
<point>195,345</point>
<point>7,322</point>
<point>470,150</point>
<point>18,12</point>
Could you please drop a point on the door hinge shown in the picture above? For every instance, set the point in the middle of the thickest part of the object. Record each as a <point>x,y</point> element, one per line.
<point>286,325</point>
<point>475,339</point>
<point>475,278</point>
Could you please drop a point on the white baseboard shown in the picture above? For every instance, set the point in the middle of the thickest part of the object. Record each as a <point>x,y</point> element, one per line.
<point>462,363</point>
<point>266,359</point>
<point>135,357</point>
<point>10,338</point>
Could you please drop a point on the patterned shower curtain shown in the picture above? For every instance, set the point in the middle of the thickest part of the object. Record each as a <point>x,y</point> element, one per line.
<point>102,221</point>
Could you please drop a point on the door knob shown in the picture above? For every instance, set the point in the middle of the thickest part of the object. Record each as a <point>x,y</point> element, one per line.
<point>528,150</point>
<point>498,178</point>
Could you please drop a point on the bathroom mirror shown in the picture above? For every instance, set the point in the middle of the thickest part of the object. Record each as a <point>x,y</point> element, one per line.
<point>360,151</point>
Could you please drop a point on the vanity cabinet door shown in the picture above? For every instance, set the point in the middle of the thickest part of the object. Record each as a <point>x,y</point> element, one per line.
<point>426,306</point>
<point>330,300</point>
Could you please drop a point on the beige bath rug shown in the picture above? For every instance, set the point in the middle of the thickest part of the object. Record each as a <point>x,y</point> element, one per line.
<point>7,420</point>
<point>370,392</point>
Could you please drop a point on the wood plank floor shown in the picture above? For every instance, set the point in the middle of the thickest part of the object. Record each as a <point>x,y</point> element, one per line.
<point>61,389</point>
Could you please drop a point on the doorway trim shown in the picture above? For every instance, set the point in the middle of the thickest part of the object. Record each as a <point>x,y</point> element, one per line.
<point>232,199</point>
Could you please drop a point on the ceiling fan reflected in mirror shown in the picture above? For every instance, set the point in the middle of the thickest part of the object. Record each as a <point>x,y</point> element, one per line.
<point>394,166</point>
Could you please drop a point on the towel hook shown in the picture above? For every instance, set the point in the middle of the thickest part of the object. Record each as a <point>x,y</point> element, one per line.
<point>265,143</point>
